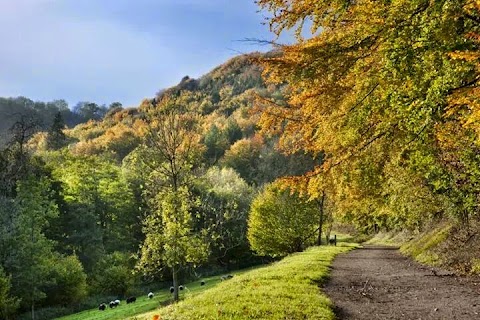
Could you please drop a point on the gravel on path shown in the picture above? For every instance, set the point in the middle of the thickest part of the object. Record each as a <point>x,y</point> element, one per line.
<point>377,282</point>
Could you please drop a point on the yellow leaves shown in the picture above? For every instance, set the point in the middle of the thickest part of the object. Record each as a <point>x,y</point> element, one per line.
<point>469,56</point>
<point>464,103</point>
<point>472,6</point>
<point>328,72</point>
<point>140,127</point>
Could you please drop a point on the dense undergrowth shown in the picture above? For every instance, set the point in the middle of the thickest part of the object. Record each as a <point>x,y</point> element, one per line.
<point>288,289</point>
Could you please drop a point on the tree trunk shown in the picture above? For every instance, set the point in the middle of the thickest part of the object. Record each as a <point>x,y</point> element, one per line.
<point>329,229</point>
<point>32,238</point>
<point>320,223</point>
<point>175,284</point>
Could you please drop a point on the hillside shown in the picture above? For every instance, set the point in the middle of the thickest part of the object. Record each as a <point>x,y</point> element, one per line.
<point>225,99</point>
<point>115,192</point>
<point>227,171</point>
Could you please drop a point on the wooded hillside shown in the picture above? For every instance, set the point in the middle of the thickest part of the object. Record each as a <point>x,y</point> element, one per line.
<point>372,121</point>
<point>109,198</point>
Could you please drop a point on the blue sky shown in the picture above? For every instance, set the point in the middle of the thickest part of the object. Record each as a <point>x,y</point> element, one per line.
<point>118,50</point>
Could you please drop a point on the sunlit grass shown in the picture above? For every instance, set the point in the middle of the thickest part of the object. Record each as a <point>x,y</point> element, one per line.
<point>421,248</point>
<point>143,304</point>
<point>288,289</point>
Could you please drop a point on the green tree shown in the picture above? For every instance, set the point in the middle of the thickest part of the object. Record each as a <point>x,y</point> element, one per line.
<point>233,131</point>
<point>171,145</point>
<point>170,239</point>
<point>70,281</point>
<point>25,252</point>
<point>8,304</point>
<point>216,143</point>
<point>101,215</point>
<point>56,138</point>
<point>281,222</point>
<point>113,274</point>
<point>224,202</point>
<point>89,110</point>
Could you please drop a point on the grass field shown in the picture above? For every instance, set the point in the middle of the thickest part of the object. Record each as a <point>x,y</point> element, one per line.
<point>288,289</point>
<point>143,304</point>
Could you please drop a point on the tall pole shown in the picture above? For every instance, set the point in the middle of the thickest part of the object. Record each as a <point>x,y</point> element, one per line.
<point>320,223</point>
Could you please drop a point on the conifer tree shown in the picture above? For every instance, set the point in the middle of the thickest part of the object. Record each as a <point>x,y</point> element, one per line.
<point>56,138</point>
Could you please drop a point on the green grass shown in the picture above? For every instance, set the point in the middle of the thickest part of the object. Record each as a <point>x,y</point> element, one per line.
<point>288,289</point>
<point>123,311</point>
<point>421,248</point>
<point>143,304</point>
<point>475,266</point>
<point>395,239</point>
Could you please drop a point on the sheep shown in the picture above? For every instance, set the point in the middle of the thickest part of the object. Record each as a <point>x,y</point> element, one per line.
<point>180,287</point>
<point>228,276</point>
<point>202,283</point>
<point>131,299</point>
<point>114,304</point>
<point>102,307</point>
<point>150,295</point>
<point>172,289</point>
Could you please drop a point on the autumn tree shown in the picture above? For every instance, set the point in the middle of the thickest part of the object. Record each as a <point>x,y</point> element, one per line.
<point>243,156</point>
<point>370,89</point>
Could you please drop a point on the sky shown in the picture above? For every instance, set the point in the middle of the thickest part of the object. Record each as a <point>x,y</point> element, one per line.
<point>118,50</point>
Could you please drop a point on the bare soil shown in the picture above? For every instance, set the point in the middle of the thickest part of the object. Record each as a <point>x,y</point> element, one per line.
<point>377,282</point>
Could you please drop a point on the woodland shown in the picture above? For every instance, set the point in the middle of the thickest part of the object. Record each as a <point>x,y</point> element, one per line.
<point>372,122</point>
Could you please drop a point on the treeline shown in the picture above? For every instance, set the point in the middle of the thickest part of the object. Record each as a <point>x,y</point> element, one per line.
<point>116,206</point>
<point>42,114</point>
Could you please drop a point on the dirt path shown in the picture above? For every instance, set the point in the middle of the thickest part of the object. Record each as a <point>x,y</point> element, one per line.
<point>379,283</point>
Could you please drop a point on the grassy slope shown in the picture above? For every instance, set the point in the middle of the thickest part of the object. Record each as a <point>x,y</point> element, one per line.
<point>288,289</point>
<point>143,304</point>
<point>419,246</point>
<point>422,247</point>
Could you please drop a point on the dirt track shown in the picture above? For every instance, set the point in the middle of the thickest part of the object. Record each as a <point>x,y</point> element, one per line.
<point>379,283</point>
